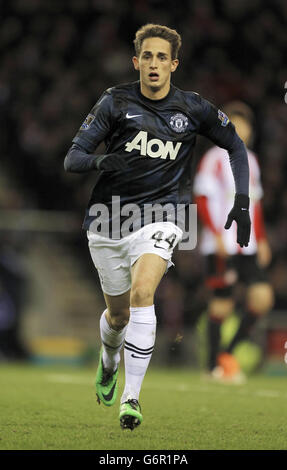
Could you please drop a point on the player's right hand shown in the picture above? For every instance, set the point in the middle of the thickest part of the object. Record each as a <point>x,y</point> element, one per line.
<point>111,162</point>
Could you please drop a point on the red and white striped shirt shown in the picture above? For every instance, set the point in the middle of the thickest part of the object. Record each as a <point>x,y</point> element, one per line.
<point>214,194</point>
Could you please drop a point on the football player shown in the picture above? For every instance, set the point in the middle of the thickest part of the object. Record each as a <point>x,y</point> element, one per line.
<point>149,127</point>
<point>226,261</point>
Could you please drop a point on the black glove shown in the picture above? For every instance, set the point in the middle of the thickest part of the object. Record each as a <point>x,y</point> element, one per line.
<point>110,162</point>
<point>240,213</point>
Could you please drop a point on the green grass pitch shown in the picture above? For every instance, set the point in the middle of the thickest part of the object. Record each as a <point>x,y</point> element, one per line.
<point>55,408</point>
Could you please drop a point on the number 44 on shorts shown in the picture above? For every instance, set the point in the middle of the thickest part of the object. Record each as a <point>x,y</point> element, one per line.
<point>158,236</point>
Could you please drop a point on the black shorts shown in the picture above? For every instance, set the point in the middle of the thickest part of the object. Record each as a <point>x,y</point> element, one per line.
<point>224,273</point>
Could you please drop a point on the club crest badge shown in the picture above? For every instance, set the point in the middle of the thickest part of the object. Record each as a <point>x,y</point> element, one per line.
<point>223,118</point>
<point>87,122</point>
<point>178,122</point>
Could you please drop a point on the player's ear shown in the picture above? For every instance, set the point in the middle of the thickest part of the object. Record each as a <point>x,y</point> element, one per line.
<point>174,64</point>
<point>136,63</point>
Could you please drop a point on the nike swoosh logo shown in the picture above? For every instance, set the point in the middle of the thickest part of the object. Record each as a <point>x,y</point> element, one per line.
<point>109,395</point>
<point>130,116</point>
<point>138,357</point>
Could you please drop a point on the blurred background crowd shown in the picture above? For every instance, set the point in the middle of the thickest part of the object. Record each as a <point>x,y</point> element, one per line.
<point>56,58</point>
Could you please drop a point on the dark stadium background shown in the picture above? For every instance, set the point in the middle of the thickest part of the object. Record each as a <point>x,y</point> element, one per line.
<point>56,58</point>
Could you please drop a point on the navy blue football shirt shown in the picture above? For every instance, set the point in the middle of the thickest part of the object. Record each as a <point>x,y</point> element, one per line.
<point>156,139</point>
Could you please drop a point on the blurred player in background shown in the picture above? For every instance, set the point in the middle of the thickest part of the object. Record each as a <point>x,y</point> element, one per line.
<point>226,262</point>
<point>149,128</point>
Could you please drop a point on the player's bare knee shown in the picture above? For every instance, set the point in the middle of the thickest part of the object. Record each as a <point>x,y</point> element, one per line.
<point>141,295</point>
<point>260,298</point>
<point>220,308</point>
<point>119,318</point>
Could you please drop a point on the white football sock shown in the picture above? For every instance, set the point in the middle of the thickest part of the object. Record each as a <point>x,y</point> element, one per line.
<point>112,343</point>
<point>139,343</point>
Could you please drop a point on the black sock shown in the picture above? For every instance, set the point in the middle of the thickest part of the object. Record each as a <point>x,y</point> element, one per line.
<point>213,336</point>
<point>247,322</point>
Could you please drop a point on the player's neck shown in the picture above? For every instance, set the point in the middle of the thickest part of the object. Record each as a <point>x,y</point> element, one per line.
<point>153,93</point>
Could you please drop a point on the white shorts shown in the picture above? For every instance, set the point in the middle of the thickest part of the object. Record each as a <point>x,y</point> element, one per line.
<point>113,259</point>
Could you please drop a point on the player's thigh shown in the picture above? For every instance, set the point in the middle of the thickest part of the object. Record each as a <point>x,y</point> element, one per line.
<point>158,239</point>
<point>150,252</point>
<point>147,273</point>
<point>112,263</point>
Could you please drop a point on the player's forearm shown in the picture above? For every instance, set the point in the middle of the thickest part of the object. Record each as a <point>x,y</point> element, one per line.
<point>239,165</point>
<point>78,160</point>
<point>237,157</point>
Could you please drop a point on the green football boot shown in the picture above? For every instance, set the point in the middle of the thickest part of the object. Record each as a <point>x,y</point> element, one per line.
<point>130,414</point>
<point>106,384</point>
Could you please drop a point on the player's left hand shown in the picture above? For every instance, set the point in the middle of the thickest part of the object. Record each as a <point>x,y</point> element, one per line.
<point>240,213</point>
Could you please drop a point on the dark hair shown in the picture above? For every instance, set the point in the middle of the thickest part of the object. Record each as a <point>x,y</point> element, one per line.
<point>151,30</point>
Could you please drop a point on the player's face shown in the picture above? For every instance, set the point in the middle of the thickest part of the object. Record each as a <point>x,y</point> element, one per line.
<point>155,66</point>
<point>243,128</point>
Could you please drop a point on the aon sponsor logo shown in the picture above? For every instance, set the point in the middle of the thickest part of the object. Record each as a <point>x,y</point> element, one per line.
<point>154,148</point>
